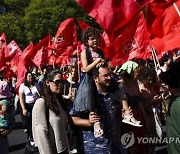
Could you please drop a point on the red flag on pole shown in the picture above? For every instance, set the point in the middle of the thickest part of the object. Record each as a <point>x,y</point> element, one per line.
<point>132,41</point>
<point>39,53</point>
<point>111,14</point>
<point>14,55</point>
<point>23,65</point>
<point>169,28</point>
<point>83,25</point>
<point>64,35</point>
<point>155,12</point>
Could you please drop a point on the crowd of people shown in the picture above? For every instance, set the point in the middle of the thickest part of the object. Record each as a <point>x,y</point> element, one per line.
<point>62,113</point>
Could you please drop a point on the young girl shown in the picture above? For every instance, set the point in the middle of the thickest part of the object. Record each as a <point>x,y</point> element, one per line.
<point>90,58</point>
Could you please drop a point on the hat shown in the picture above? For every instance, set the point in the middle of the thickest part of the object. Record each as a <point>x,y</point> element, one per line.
<point>4,90</point>
<point>128,66</point>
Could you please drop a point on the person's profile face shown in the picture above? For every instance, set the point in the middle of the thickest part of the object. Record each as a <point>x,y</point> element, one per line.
<point>93,41</point>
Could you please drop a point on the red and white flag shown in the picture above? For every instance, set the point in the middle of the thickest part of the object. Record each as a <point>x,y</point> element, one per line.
<point>64,35</point>
<point>14,55</point>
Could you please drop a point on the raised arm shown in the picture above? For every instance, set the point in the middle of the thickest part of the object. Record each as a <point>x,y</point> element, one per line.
<point>88,67</point>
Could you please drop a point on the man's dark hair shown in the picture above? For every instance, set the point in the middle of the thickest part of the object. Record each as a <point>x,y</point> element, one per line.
<point>172,76</point>
<point>95,71</point>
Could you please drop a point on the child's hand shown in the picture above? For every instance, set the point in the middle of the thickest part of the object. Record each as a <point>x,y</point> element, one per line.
<point>99,61</point>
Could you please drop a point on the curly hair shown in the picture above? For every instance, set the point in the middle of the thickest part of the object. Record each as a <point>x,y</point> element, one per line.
<point>89,32</point>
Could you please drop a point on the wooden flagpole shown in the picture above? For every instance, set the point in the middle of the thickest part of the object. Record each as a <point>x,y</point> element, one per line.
<point>78,64</point>
<point>177,9</point>
<point>155,55</point>
<point>154,59</point>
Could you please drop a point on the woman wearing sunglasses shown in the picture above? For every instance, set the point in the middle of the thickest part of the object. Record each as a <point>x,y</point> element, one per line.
<point>49,119</point>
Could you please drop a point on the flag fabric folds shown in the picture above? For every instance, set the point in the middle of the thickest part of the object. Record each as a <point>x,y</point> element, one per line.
<point>23,66</point>
<point>41,52</point>
<point>168,25</point>
<point>64,35</point>
<point>14,55</point>
<point>133,41</point>
<point>111,14</point>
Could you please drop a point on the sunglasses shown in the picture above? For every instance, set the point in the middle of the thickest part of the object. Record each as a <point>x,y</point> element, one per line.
<point>58,82</point>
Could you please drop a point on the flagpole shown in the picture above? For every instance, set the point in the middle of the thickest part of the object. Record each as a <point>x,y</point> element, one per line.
<point>177,9</point>
<point>158,64</point>
<point>154,59</point>
<point>78,65</point>
<point>70,73</point>
<point>54,59</point>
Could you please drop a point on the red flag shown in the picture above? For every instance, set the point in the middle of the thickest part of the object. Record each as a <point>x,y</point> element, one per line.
<point>63,60</point>
<point>156,9</point>
<point>163,25</point>
<point>169,28</point>
<point>39,53</point>
<point>11,47</point>
<point>23,65</point>
<point>14,55</point>
<point>64,34</point>
<point>132,42</point>
<point>42,43</point>
<point>83,25</point>
<point>111,14</point>
<point>168,42</point>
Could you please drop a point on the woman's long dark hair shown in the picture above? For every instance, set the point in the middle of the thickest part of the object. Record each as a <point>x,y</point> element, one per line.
<point>47,93</point>
<point>26,83</point>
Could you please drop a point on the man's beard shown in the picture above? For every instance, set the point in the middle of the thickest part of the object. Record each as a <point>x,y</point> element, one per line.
<point>103,85</point>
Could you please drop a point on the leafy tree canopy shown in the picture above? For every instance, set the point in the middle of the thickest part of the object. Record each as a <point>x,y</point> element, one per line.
<point>31,20</point>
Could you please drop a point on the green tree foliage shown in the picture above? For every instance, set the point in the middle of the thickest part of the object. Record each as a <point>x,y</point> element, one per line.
<point>31,20</point>
<point>11,20</point>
